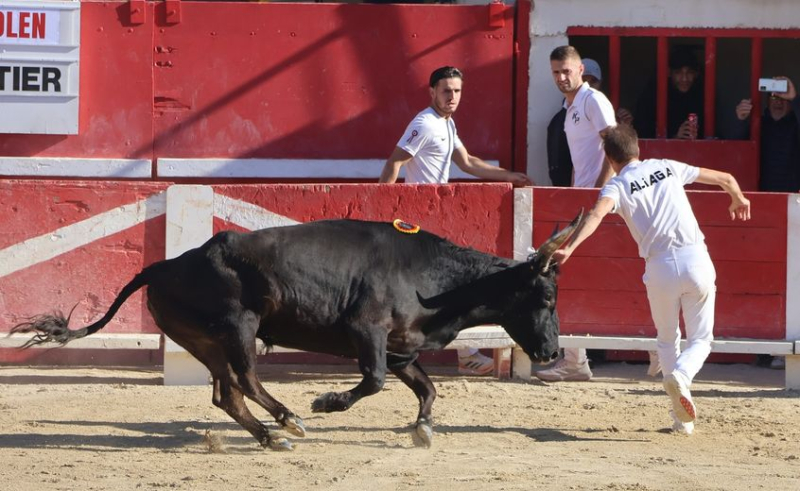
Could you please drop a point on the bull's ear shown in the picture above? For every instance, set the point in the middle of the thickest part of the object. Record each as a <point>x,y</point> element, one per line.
<point>556,240</point>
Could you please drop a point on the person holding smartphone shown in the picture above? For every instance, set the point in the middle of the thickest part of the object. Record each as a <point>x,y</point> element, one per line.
<point>780,143</point>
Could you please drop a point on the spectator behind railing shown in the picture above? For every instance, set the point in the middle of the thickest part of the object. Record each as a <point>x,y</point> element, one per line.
<point>684,97</point>
<point>780,142</point>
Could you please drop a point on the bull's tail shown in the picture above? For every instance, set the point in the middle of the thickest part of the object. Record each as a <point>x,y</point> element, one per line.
<point>54,328</point>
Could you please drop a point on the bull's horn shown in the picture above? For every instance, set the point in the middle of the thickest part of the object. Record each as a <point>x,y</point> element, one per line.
<point>558,239</point>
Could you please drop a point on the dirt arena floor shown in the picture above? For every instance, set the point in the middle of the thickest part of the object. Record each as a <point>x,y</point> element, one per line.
<point>100,429</point>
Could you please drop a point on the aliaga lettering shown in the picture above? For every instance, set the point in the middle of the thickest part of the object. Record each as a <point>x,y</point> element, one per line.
<point>30,78</point>
<point>652,179</point>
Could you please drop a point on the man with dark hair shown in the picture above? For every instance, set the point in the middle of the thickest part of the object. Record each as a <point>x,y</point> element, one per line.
<point>679,274</point>
<point>431,142</point>
<point>684,97</point>
<point>426,149</point>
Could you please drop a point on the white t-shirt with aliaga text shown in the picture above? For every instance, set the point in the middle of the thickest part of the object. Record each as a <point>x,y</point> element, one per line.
<point>649,196</point>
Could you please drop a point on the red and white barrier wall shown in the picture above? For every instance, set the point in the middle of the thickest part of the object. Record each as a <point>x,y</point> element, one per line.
<point>76,243</point>
<point>72,243</point>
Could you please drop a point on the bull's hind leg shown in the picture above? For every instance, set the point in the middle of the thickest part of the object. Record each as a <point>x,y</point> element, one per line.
<point>415,377</point>
<point>239,344</point>
<point>231,400</point>
<point>371,348</point>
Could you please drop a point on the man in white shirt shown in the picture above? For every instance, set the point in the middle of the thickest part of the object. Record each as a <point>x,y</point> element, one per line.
<point>430,142</point>
<point>589,115</point>
<point>428,146</point>
<point>679,274</point>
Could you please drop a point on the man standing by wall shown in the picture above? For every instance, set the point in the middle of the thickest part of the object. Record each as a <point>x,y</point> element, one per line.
<point>679,274</point>
<point>428,146</point>
<point>589,115</point>
<point>559,160</point>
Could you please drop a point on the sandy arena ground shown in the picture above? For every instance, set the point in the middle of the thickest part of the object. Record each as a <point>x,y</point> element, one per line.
<point>100,429</point>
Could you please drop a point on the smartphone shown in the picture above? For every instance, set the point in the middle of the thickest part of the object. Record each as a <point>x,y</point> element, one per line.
<point>772,85</point>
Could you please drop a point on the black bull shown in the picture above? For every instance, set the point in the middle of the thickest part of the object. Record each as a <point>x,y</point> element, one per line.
<point>355,289</point>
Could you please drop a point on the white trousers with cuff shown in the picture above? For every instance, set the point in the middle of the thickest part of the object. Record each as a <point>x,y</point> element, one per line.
<point>682,280</point>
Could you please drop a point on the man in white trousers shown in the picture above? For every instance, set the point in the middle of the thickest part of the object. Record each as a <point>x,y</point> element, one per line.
<point>679,274</point>
<point>426,149</point>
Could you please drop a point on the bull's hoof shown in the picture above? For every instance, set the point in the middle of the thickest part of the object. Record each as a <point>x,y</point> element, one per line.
<point>279,444</point>
<point>330,402</point>
<point>423,434</point>
<point>294,425</point>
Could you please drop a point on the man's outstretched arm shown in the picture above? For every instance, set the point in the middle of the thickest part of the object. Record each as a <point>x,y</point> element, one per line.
<point>588,225</point>
<point>474,166</point>
<point>740,206</point>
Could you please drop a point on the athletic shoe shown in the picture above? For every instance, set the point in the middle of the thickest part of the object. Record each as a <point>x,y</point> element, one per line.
<point>679,426</point>
<point>778,363</point>
<point>475,364</point>
<point>677,388</point>
<point>563,371</point>
<point>655,364</point>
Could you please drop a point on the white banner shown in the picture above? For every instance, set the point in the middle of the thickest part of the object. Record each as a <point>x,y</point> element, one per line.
<point>39,66</point>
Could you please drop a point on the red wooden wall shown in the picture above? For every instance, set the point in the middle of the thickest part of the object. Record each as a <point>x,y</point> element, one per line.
<point>601,288</point>
<point>246,80</point>
<point>479,216</point>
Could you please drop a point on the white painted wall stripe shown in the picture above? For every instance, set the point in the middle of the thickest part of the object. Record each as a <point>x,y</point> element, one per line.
<point>247,215</point>
<point>282,168</point>
<point>45,247</point>
<point>523,223</point>
<point>75,167</point>
<point>793,268</point>
<point>792,372</point>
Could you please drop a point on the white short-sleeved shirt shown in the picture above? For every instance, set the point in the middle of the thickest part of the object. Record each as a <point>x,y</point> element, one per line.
<point>649,196</point>
<point>431,139</point>
<point>589,114</point>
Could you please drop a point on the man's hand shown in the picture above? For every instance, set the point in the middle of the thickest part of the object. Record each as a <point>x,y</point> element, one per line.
<point>740,208</point>
<point>687,131</point>
<point>624,116</point>
<point>561,256</point>
<point>743,109</point>
<point>790,93</point>
<point>518,179</point>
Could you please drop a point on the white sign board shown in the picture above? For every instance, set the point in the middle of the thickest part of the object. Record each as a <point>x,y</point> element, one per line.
<point>39,66</point>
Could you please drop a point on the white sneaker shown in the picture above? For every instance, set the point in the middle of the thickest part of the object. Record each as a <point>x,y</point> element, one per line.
<point>655,364</point>
<point>679,426</point>
<point>566,372</point>
<point>778,363</point>
<point>475,364</point>
<point>677,388</point>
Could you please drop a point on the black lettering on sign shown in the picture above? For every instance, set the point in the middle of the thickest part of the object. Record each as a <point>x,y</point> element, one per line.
<point>3,71</point>
<point>51,76</point>
<point>30,79</point>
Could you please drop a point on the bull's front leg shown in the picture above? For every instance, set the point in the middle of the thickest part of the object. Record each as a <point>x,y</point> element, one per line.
<point>415,377</point>
<point>371,347</point>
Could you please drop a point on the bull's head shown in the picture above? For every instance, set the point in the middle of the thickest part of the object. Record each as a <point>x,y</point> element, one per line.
<point>521,298</point>
<point>529,314</point>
